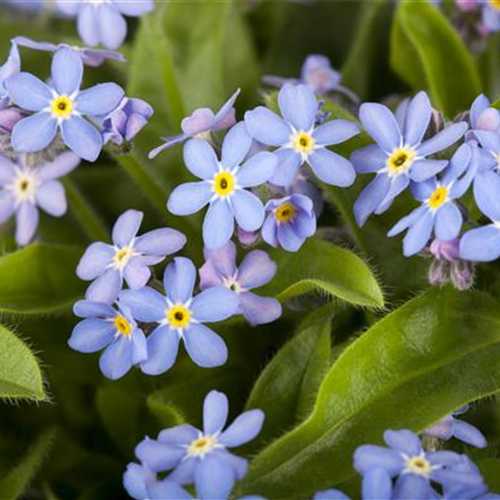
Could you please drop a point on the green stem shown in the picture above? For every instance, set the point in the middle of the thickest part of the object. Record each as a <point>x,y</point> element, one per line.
<point>88,218</point>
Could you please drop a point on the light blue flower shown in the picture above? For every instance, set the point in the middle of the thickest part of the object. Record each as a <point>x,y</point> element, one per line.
<point>224,185</point>
<point>181,316</point>
<point>128,258</point>
<point>299,141</point>
<point>438,212</point>
<point>203,455</point>
<point>483,116</point>
<point>400,154</point>
<point>61,106</point>
<point>256,270</point>
<point>10,68</point>
<point>102,21</point>
<point>115,331</point>
<point>490,11</point>
<point>24,190</point>
<point>200,123</point>
<point>290,222</point>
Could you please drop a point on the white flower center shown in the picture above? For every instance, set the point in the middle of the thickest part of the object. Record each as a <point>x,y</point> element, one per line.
<point>418,465</point>
<point>122,257</point>
<point>205,443</point>
<point>24,186</point>
<point>232,284</point>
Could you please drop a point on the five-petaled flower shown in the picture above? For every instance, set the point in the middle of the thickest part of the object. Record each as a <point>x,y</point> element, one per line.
<point>128,258</point>
<point>61,106</point>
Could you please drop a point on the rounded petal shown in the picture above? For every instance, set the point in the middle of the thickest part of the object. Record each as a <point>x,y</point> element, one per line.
<point>26,223</point>
<point>289,162</point>
<point>163,346</point>
<point>82,138</point>
<point>112,26</point>
<point>94,261</point>
<point>62,165</point>
<point>448,222</point>
<point>381,125</point>
<point>368,457</point>
<point>126,227</point>
<point>136,481</point>
<point>214,304</point>
<point>248,210</point>
<point>188,198</point>
<point>34,133</point>
<point>368,159</point>
<point>137,8</point>
<point>88,25</point>
<point>200,159</point>
<point>335,132</point>
<point>106,287</point>
<point>407,221</point>
<point>236,145</point>
<point>91,335</point>
<point>215,410</point>
<point>184,473</point>
<point>443,139</point>
<point>116,360</point>
<point>238,464</point>
<point>298,106</point>
<point>28,92</point>
<point>377,484</point>
<point>423,170</point>
<point>223,259</point>
<point>244,429</point>
<point>486,189</point>
<point>267,127</point>
<point>7,170</point>
<point>157,456</point>
<point>99,100</point>
<point>412,487</point>
<point>270,231</point>
<point>179,435</point>
<point>179,280</point>
<point>418,234</point>
<point>418,117</point>
<point>481,244</point>
<point>218,226</point>
<point>332,168</point>
<point>468,434</point>
<point>404,441</point>
<point>7,205</point>
<point>52,198</point>
<point>256,270</point>
<point>214,479</point>
<point>370,198</point>
<point>480,104</point>
<point>330,495</point>
<point>136,273</point>
<point>164,241</point>
<point>259,310</point>
<point>257,170</point>
<point>167,490</point>
<point>205,347</point>
<point>67,71</point>
<point>88,309</point>
<point>147,305</point>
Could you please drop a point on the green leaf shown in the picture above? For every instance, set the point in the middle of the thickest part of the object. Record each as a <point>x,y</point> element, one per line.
<point>427,52</point>
<point>419,363</point>
<point>290,381</point>
<point>15,482</point>
<point>323,267</point>
<point>489,468</point>
<point>40,279</point>
<point>20,375</point>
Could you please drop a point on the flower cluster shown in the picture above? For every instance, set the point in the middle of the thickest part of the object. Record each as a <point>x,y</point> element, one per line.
<point>196,456</point>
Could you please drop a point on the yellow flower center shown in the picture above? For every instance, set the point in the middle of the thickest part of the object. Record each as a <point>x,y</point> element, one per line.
<point>285,212</point>
<point>178,317</point>
<point>303,143</point>
<point>400,161</point>
<point>224,183</point>
<point>202,446</point>
<point>438,197</point>
<point>123,326</point>
<point>418,465</point>
<point>62,107</point>
<point>495,4</point>
<point>122,256</point>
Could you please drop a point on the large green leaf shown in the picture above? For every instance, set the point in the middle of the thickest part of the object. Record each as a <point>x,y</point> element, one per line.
<point>323,267</point>
<point>434,354</point>
<point>39,279</point>
<point>427,52</point>
<point>20,375</point>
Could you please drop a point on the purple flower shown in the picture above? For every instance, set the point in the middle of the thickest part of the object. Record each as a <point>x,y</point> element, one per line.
<point>115,331</point>
<point>10,68</point>
<point>90,57</point>
<point>449,427</point>
<point>290,222</point>
<point>201,122</point>
<point>256,270</point>
<point>490,14</point>
<point>224,185</point>
<point>414,468</point>
<point>438,212</point>
<point>399,155</point>
<point>8,119</point>
<point>299,141</point>
<point>102,21</point>
<point>448,251</point>
<point>190,452</point>
<point>126,121</point>
<point>62,106</point>
<point>23,190</point>
<point>128,258</point>
<point>180,316</point>
<point>483,116</point>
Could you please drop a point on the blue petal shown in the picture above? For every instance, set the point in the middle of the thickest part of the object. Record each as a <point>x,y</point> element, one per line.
<point>157,456</point>
<point>459,163</point>
<point>167,490</point>
<point>89,309</point>
<point>245,428</point>
<point>99,100</point>
<point>368,159</point>
<point>179,280</point>
<point>407,221</point>
<point>91,335</point>
<point>404,441</point>
<point>163,241</point>
<point>215,410</point>
<point>139,347</point>
<point>289,162</point>
<point>331,495</point>
<point>468,434</point>
<point>51,198</point>
<point>88,24</point>
<point>257,170</point>
<point>335,132</point>
<point>269,231</point>
<point>289,238</point>
<point>136,480</point>
<point>236,145</point>
<point>381,124</point>
<point>116,360</point>
<point>443,139</point>
<point>179,435</point>
<point>26,223</point>
<point>397,186</point>
<point>486,189</point>
<point>214,479</point>
<point>423,190</point>
<point>256,270</point>
<point>137,8</point>
<point>163,346</point>
<point>489,140</point>
<point>298,106</point>
<point>112,26</point>
<point>82,138</point>
<point>126,227</point>
<point>200,159</point>
<point>184,473</point>
<point>218,226</point>
<point>7,205</point>
<point>418,117</point>
<point>370,198</point>
<point>481,244</point>
<point>368,457</point>
<point>106,287</point>
<point>67,71</point>
<point>28,92</point>
<point>412,487</point>
<point>377,484</point>
<point>95,260</point>
<point>205,347</point>
<point>267,127</point>
<point>248,210</point>
<point>259,310</point>
<point>147,305</point>
<point>62,165</point>
<point>480,104</point>
<point>448,222</point>
<point>214,304</point>
<point>238,464</point>
<point>188,198</point>
<point>34,133</point>
<point>332,168</point>
<point>418,234</point>
<point>423,170</point>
